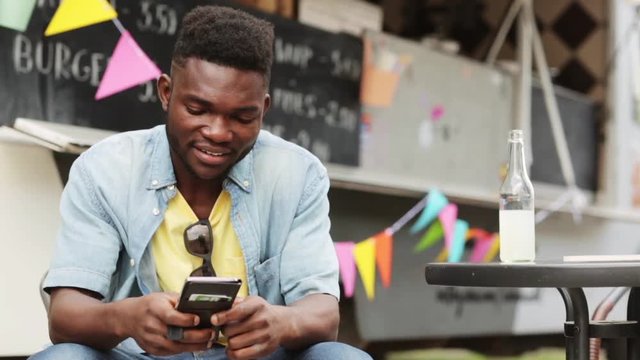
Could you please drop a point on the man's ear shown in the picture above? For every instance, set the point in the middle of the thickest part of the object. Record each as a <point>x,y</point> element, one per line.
<point>164,90</point>
<point>267,103</point>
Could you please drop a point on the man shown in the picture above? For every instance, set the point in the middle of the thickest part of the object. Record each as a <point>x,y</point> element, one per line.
<point>120,256</point>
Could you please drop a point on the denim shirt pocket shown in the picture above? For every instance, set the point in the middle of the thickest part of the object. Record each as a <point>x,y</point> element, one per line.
<point>267,276</point>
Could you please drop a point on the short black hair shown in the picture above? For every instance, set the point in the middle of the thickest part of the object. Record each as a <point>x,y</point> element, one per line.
<point>227,37</point>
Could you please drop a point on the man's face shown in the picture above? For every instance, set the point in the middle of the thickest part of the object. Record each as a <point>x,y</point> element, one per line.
<point>214,115</point>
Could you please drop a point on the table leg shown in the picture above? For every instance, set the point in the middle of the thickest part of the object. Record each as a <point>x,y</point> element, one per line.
<point>577,343</point>
<point>633,313</point>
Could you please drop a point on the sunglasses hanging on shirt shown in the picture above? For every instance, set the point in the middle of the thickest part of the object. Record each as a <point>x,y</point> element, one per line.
<point>198,240</point>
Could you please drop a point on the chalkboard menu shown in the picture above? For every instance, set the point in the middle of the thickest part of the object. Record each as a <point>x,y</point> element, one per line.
<point>314,87</point>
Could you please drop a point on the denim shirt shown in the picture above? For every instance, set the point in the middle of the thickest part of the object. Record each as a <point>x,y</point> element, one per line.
<point>117,194</point>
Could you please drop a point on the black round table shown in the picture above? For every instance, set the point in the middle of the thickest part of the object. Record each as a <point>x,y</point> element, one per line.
<point>569,278</point>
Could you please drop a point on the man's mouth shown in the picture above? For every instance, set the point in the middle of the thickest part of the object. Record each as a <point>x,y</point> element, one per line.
<point>212,157</point>
<point>210,152</point>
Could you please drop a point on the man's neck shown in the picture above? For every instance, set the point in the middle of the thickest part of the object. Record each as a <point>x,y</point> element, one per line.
<point>200,195</point>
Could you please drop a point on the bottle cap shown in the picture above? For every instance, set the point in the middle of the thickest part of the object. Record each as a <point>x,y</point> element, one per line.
<point>515,135</point>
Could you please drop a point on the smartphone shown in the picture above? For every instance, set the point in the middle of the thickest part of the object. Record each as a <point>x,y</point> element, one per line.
<point>207,295</point>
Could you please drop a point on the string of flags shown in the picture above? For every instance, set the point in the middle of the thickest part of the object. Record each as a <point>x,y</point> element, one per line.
<point>439,217</point>
<point>128,66</point>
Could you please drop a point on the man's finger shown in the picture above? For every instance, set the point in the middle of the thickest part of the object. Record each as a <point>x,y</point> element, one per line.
<point>240,310</point>
<point>196,336</point>
<point>177,318</point>
<point>250,352</point>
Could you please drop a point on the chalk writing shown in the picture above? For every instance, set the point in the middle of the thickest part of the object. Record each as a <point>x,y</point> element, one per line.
<point>47,4</point>
<point>292,54</point>
<point>157,18</point>
<point>148,93</point>
<point>58,60</point>
<point>320,148</point>
<point>307,105</point>
<point>345,67</point>
<point>459,297</point>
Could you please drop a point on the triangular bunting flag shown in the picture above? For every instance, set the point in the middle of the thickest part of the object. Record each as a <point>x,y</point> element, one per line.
<point>442,255</point>
<point>74,14</point>
<point>433,234</point>
<point>477,233</point>
<point>457,247</point>
<point>365,256</point>
<point>494,249</point>
<point>384,256</point>
<point>15,14</point>
<point>448,217</point>
<point>128,67</point>
<point>344,251</point>
<point>481,247</point>
<point>436,201</point>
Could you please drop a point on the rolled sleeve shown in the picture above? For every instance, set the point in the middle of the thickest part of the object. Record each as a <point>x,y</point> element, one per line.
<point>309,264</point>
<point>88,243</point>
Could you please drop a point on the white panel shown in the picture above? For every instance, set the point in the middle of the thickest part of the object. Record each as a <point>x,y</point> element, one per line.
<point>30,189</point>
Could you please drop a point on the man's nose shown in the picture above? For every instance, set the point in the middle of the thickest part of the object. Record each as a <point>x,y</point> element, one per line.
<point>218,129</point>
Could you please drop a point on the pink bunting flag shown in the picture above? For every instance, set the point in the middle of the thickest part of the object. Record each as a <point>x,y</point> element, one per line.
<point>448,217</point>
<point>481,248</point>
<point>129,66</point>
<point>344,251</point>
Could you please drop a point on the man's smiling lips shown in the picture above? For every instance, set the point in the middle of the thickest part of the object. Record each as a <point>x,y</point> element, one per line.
<point>212,156</point>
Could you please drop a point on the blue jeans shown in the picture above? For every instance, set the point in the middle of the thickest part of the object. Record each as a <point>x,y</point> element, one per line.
<point>320,351</point>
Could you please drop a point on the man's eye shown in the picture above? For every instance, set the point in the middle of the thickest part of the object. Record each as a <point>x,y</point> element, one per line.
<point>245,119</point>
<point>194,111</point>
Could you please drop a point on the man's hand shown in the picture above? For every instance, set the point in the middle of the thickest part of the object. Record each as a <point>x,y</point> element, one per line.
<point>79,316</point>
<point>253,327</point>
<point>147,319</point>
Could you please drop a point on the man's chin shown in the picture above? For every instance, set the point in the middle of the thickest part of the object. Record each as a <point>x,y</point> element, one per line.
<point>209,174</point>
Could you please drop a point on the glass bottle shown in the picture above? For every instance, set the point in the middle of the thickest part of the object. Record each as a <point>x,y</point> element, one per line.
<point>517,225</point>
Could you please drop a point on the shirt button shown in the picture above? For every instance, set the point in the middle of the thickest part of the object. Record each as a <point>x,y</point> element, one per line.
<point>132,262</point>
<point>154,182</point>
<point>245,183</point>
<point>155,211</point>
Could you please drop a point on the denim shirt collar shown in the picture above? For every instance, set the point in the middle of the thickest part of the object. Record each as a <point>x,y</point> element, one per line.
<point>242,174</point>
<point>161,173</point>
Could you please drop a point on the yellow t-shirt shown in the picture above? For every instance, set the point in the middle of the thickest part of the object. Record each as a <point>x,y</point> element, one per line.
<point>174,263</point>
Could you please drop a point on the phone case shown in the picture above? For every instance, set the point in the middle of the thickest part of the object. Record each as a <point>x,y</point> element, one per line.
<point>205,296</point>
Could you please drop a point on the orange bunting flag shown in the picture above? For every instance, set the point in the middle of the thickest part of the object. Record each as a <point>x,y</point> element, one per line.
<point>365,256</point>
<point>384,256</point>
<point>478,234</point>
<point>74,14</point>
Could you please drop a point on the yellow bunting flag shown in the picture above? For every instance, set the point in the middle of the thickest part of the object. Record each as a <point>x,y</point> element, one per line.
<point>74,14</point>
<point>443,255</point>
<point>384,256</point>
<point>494,249</point>
<point>365,256</point>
